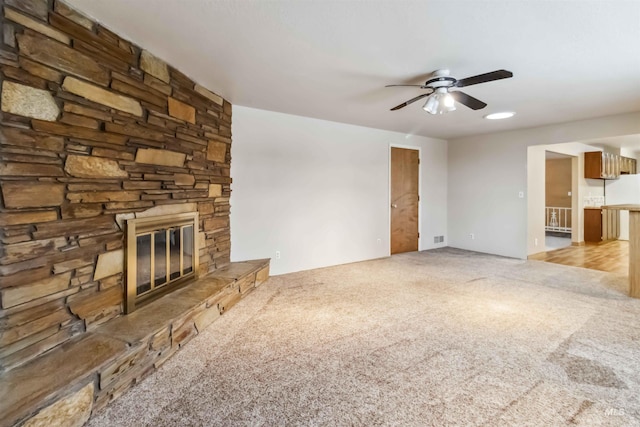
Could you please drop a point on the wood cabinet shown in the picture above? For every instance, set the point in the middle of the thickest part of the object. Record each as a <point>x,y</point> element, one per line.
<point>601,225</point>
<point>628,166</point>
<point>601,165</point>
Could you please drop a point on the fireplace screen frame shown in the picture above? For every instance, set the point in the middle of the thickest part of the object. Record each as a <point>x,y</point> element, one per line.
<point>151,225</point>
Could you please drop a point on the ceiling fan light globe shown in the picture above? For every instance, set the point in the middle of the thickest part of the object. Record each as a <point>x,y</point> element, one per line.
<point>439,102</point>
<point>431,106</point>
<point>449,102</point>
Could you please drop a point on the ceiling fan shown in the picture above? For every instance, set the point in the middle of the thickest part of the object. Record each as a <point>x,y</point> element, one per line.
<point>442,99</point>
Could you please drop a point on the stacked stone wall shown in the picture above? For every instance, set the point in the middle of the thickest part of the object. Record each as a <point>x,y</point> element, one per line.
<point>93,130</point>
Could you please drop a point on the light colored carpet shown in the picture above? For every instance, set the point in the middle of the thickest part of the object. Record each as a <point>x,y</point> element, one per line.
<point>444,337</point>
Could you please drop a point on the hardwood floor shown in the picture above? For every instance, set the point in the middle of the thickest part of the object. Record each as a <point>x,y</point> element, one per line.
<point>610,256</point>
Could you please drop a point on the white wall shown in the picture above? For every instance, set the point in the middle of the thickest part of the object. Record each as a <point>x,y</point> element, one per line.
<point>318,191</point>
<point>625,190</point>
<point>536,198</point>
<point>485,176</point>
<point>486,172</point>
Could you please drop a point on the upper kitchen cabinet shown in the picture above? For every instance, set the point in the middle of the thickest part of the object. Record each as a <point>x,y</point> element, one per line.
<point>628,166</point>
<point>600,165</point>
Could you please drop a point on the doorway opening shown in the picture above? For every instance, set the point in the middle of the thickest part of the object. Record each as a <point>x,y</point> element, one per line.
<point>558,200</point>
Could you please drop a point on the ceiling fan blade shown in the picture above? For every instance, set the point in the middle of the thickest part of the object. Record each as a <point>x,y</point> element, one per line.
<point>468,100</point>
<point>404,104</point>
<point>422,86</point>
<point>483,78</point>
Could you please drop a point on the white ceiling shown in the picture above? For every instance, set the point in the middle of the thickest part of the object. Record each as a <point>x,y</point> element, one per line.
<point>571,60</point>
<point>629,142</point>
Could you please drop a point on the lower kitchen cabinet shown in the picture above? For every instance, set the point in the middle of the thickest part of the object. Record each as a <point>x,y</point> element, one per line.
<point>601,225</point>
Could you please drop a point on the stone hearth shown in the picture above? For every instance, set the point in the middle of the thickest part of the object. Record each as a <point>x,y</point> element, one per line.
<point>120,353</point>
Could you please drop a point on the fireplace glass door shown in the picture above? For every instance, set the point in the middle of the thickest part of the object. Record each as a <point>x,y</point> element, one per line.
<point>160,253</point>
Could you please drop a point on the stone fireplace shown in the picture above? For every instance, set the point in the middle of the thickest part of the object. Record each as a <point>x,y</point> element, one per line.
<point>102,142</point>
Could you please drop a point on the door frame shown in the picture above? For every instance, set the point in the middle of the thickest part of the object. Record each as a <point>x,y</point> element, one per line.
<point>419,150</point>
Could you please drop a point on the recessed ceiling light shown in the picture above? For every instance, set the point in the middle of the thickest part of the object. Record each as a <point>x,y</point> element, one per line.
<point>499,116</point>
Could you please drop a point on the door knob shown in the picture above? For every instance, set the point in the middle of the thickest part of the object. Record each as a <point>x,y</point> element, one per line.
<point>393,205</point>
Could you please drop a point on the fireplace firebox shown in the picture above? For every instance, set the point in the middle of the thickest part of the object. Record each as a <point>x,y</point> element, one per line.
<point>161,255</point>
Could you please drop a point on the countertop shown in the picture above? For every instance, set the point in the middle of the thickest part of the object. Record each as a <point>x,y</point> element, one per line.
<point>633,208</point>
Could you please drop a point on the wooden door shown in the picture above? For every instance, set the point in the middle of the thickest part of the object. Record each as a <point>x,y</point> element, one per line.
<point>404,200</point>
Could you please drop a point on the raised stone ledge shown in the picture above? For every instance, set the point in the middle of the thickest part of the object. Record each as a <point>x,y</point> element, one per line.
<point>30,387</point>
<point>121,352</point>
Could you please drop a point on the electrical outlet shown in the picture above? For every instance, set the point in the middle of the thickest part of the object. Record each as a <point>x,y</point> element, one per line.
<point>521,194</point>
<point>472,236</point>
<point>379,241</point>
<point>535,241</point>
<point>277,254</point>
